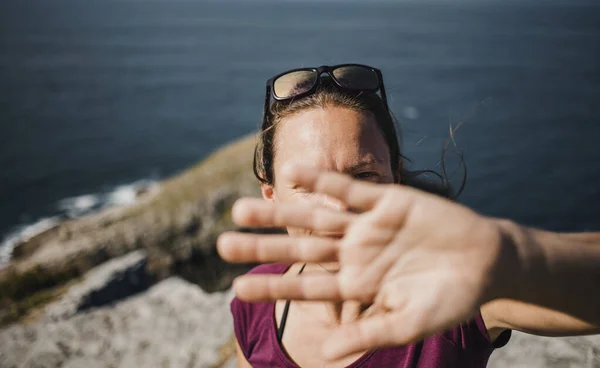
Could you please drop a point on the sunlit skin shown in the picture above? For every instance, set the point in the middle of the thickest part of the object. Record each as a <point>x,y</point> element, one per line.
<point>333,139</point>
<point>421,263</point>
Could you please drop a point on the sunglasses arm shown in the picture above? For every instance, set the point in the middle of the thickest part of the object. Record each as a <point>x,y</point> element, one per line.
<point>383,95</point>
<point>266,107</point>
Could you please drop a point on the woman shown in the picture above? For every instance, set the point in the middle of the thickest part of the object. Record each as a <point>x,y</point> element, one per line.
<point>380,286</point>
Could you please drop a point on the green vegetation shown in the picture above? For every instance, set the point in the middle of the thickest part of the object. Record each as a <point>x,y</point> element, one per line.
<point>16,311</point>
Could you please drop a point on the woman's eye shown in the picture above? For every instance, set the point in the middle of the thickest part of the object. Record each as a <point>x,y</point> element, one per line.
<point>369,175</point>
<point>303,192</point>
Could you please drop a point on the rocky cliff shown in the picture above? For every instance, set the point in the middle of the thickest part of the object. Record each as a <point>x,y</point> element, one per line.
<point>143,286</point>
<point>176,225</point>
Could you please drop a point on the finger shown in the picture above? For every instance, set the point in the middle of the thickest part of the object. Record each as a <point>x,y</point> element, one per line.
<point>359,195</point>
<point>256,212</point>
<point>257,288</point>
<point>377,331</point>
<point>242,247</point>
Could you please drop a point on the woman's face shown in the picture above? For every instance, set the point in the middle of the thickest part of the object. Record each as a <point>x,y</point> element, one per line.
<point>334,139</point>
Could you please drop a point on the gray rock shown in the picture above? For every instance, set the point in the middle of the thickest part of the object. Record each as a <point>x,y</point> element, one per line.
<point>528,351</point>
<point>84,363</point>
<point>114,280</point>
<point>172,324</point>
<point>177,324</point>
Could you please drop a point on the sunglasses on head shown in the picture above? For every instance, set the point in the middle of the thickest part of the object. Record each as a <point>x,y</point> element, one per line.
<point>297,83</point>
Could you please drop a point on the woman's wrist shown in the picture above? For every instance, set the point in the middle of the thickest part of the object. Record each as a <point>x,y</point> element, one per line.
<point>557,271</point>
<point>520,261</point>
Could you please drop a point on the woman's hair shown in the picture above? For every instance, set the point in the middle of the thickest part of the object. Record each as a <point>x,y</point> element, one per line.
<point>328,95</point>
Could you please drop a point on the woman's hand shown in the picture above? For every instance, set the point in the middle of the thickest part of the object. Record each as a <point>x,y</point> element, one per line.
<point>425,263</point>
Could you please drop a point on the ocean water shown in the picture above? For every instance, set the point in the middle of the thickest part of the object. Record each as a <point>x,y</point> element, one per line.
<point>97,95</point>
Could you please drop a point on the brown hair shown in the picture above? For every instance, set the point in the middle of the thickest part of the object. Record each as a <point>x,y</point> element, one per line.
<point>329,94</point>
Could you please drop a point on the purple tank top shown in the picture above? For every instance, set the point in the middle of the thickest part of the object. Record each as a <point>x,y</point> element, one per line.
<point>467,345</point>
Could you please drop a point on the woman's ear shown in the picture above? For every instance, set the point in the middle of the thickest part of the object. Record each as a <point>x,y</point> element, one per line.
<point>268,192</point>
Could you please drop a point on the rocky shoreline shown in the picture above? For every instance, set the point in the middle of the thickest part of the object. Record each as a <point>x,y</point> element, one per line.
<point>157,252</point>
<point>177,225</point>
<point>143,285</point>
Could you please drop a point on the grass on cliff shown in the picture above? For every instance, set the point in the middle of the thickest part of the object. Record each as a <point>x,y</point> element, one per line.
<point>17,306</point>
<point>228,167</point>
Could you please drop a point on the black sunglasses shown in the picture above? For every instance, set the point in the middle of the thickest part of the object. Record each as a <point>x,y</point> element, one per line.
<point>297,83</point>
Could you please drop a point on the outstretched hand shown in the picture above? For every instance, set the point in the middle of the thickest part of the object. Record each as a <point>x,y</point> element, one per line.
<point>423,262</point>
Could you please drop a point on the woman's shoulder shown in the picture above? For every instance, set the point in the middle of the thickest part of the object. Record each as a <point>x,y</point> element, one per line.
<point>252,321</point>
<point>465,345</point>
<point>246,312</point>
<point>472,337</point>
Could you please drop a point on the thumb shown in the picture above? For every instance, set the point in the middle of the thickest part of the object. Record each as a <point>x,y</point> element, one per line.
<point>377,331</point>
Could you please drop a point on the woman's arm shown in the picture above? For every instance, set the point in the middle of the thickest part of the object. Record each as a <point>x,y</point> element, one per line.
<point>428,263</point>
<point>241,359</point>
<point>557,292</point>
<point>505,314</point>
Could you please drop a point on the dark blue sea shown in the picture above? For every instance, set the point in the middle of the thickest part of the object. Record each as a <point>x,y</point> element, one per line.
<point>98,96</point>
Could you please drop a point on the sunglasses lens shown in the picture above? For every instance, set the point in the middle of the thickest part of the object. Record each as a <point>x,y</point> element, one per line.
<point>294,83</point>
<point>356,77</point>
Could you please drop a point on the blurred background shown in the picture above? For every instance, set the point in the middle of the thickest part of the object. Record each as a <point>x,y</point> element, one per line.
<point>100,94</point>
<point>101,100</point>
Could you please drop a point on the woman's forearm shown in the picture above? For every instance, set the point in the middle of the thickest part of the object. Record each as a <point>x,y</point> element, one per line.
<point>555,270</point>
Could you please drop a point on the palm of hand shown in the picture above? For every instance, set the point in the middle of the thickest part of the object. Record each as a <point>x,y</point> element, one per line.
<point>424,263</point>
<point>412,260</point>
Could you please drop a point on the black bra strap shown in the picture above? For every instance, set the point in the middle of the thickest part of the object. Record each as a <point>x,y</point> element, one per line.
<point>285,313</point>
